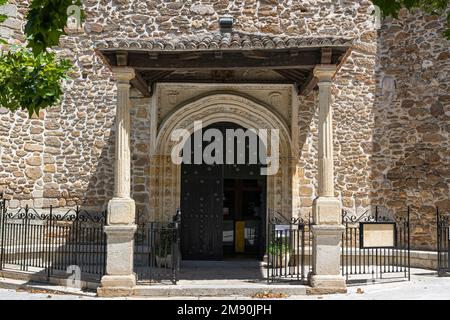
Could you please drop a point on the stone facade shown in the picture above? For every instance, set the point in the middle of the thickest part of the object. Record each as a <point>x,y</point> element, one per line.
<point>391,107</point>
<point>410,139</point>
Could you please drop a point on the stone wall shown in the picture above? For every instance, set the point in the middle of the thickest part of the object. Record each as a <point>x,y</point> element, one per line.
<point>410,142</point>
<point>391,148</point>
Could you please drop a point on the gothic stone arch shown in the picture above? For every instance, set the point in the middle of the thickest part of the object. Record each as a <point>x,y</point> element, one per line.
<point>212,108</point>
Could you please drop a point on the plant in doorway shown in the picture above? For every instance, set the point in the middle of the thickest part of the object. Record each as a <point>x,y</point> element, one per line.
<point>279,253</point>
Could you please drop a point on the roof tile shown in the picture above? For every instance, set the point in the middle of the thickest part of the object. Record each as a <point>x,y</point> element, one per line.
<point>224,41</point>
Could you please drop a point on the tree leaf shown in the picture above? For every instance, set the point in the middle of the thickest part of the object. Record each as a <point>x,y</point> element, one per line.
<point>31,82</point>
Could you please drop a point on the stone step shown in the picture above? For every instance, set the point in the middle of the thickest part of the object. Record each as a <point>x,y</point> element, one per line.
<point>26,285</point>
<point>217,290</point>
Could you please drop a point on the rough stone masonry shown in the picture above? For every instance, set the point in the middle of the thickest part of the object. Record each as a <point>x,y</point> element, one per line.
<point>391,106</point>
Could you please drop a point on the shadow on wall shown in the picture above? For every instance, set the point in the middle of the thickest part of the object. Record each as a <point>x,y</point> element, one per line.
<point>410,144</point>
<point>101,183</point>
<point>307,167</point>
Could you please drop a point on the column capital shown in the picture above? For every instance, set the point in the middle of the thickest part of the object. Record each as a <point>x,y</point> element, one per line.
<point>325,72</point>
<point>123,73</point>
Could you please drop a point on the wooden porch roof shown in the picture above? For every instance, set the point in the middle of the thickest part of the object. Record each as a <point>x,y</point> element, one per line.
<point>292,59</point>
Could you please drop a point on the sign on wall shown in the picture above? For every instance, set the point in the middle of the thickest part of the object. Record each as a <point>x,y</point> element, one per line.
<point>377,235</point>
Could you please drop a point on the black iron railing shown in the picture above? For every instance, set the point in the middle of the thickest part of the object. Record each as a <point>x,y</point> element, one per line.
<point>49,241</point>
<point>157,251</point>
<point>443,239</point>
<point>360,263</point>
<point>288,249</point>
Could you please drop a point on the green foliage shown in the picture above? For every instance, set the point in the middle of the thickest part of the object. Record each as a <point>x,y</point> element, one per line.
<point>46,21</point>
<point>3,17</point>
<point>278,247</point>
<point>437,7</point>
<point>31,82</point>
<point>165,236</point>
<point>32,79</point>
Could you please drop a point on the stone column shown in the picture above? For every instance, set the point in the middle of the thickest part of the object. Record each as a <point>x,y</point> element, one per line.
<point>120,278</point>
<point>327,229</point>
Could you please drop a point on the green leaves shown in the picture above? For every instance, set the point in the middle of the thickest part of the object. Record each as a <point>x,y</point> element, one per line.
<point>32,79</point>
<point>437,7</point>
<point>46,21</point>
<point>31,82</point>
<point>3,17</point>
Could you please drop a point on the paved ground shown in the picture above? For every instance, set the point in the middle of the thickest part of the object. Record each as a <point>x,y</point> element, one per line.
<point>424,285</point>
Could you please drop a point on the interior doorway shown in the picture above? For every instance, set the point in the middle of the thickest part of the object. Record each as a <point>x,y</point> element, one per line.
<point>223,206</point>
<point>243,205</point>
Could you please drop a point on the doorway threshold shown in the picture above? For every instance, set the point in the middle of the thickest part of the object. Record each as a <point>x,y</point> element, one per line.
<point>218,290</point>
<point>226,263</point>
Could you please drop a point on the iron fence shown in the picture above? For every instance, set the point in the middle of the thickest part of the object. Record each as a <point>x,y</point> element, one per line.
<point>288,249</point>
<point>361,263</point>
<point>443,248</point>
<point>157,251</point>
<point>49,241</point>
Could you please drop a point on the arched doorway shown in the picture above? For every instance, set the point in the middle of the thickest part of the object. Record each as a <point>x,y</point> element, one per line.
<point>223,202</point>
<point>212,108</point>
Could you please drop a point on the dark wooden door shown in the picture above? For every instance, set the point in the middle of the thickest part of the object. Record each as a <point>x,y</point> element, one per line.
<point>201,212</point>
<point>202,207</point>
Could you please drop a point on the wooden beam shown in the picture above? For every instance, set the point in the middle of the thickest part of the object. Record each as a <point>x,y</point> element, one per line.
<point>327,54</point>
<point>190,56</point>
<point>295,76</point>
<point>230,61</point>
<point>153,55</point>
<point>309,85</point>
<point>122,58</point>
<point>141,85</point>
<point>293,53</point>
<point>154,76</point>
<point>252,54</point>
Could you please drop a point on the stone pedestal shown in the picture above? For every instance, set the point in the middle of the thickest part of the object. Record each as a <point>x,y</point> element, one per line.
<point>326,275</point>
<point>120,278</point>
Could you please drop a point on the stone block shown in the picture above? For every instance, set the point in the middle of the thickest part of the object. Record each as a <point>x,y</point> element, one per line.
<point>121,211</point>
<point>119,278</point>
<point>327,211</point>
<point>9,9</point>
<point>34,161</point>
<point>326,259</point>
<point>33,173</point>
<point>33,147</point>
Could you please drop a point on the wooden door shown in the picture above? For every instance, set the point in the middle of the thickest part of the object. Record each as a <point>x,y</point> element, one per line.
<point>201,212</point>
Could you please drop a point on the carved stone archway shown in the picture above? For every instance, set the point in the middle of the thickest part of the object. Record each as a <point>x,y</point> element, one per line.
<point>213,108</point>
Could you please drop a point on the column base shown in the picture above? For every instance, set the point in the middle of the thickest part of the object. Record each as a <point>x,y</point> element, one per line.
<point>326,284</point>
<point>117,286</point>
<point>326,260</point>
<point>119,279</point>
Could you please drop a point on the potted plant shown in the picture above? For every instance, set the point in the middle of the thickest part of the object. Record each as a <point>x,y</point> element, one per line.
<point>164,248</point>
<point>279,253</point>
